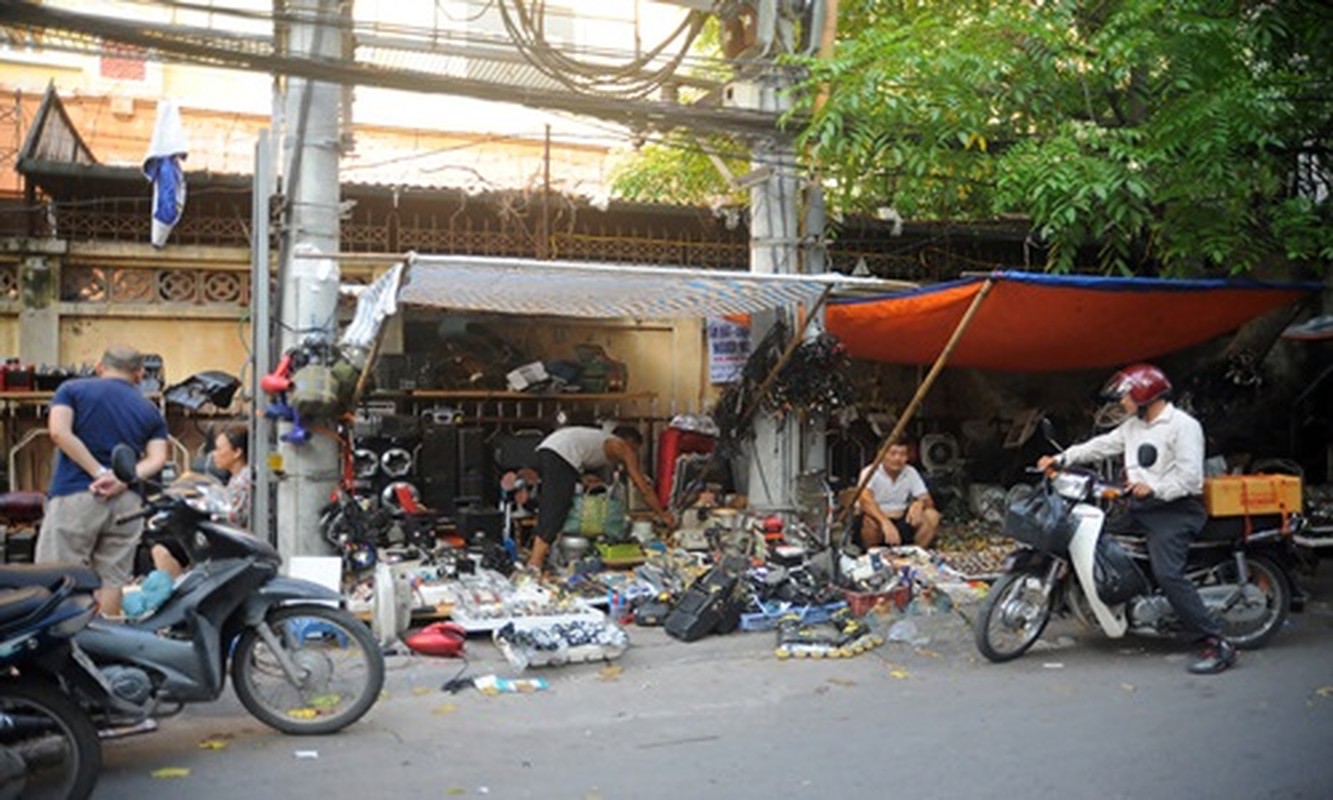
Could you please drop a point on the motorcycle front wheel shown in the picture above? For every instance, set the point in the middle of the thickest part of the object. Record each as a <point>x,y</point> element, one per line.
<point>1013,616</point>
<point>339,670</point>
<point>48,746</point>
<point>1258,613</point>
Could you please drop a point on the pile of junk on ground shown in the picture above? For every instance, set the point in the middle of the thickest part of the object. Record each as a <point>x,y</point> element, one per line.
<point>725,570</point>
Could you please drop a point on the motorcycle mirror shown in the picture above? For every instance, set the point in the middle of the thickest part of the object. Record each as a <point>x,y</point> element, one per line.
<point>123,462</point>
<point>1048,430</point>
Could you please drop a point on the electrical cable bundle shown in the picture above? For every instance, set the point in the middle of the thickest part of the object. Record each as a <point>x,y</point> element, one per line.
<point>739,402</point>
<point>814,380</point>
<point>525,21</point>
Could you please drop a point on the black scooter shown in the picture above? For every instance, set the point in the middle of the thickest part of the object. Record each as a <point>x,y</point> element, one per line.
<point>48,745</point>
<point>299,662</point>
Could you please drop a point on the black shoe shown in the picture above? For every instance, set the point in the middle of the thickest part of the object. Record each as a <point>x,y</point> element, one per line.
<point>1217,655</point>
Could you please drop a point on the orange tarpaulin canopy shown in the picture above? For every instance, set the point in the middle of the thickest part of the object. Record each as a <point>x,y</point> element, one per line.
<point>1040,323</point>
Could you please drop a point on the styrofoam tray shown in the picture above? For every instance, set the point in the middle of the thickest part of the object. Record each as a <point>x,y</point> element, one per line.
<point>564,655</point>
<point>486,624</point>
<point>554,658</point>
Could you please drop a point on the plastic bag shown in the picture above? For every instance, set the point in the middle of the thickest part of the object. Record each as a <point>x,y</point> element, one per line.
<point>1117,577</point>
<point>600,514</point>
<point>1041,519</point>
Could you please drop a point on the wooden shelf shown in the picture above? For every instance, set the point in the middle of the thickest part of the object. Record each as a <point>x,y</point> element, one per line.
<point>483,394</point>
<point>45,397</point>
<point>34,397</point>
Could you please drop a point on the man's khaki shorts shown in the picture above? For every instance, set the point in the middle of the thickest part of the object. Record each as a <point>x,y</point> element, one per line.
<point>80,528</point>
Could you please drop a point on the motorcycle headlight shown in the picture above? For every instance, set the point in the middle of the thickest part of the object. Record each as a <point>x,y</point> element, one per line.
<point>1071,486</point>
<point>210,500</point>
<point>203,493</point>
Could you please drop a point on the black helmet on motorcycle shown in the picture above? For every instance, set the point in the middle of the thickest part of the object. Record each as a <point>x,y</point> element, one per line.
<point>1143,383</point>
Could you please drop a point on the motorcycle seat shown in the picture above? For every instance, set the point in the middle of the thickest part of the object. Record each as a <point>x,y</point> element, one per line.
<point>14,576</point>
<point>20,603</point>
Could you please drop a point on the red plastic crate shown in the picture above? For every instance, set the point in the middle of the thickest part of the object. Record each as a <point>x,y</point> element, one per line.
<point>861,603</point>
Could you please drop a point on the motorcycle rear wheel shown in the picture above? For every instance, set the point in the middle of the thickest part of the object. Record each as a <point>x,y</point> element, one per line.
<point>1012,618</point>
<point>48,746</point>
<point>343,670</point>
<point>1259,615</point>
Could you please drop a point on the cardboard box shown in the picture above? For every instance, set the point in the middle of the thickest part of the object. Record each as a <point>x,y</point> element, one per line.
<point>1247,495</point>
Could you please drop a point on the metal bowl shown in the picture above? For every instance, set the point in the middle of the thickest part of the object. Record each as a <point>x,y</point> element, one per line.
<point>572,548</point>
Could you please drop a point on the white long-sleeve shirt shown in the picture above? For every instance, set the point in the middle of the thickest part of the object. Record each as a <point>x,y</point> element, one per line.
<point>1176,438</point>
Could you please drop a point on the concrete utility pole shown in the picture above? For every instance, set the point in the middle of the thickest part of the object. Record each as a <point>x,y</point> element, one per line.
<point>309,287</point>
<point>814,247</point>
<point>774,249</point>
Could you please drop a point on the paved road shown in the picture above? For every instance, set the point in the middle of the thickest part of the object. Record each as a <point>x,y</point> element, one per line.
<point>1081,717</point>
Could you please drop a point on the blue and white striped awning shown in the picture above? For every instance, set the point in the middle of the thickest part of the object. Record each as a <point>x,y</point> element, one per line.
<point>568,289</point>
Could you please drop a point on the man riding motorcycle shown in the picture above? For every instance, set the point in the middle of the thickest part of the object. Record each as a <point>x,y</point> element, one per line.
<point>1163,451</point>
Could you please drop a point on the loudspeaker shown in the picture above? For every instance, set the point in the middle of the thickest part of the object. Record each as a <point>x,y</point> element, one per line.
<point>478,525</point>
<point>437,460</point>
<point>400,426</point>
<point>476,475</point>
<point>519,449</point>
<point>438,495</point>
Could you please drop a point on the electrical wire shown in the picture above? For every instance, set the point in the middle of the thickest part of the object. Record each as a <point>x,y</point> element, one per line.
<point>527,29</point>
<point>481,13</point>
<point>424,33</point>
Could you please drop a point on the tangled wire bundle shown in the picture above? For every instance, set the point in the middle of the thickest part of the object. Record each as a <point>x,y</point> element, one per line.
<point>737,403</point>
<point>814,380</point>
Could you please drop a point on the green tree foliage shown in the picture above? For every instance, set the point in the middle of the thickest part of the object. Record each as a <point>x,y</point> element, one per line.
<point>1176,136</point>
<point>677,170</point>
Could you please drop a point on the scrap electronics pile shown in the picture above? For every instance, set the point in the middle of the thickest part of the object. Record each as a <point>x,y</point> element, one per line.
<point>725,571</point>
<point>766,574</point>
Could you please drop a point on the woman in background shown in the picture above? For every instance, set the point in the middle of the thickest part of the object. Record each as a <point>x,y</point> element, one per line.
<point>230,449</point>
<point>231,455</point>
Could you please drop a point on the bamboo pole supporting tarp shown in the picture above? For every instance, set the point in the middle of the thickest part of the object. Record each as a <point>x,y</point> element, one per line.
<point>917,399</point>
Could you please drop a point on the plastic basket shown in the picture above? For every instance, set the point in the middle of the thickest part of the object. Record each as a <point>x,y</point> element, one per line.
<point>766,619</point>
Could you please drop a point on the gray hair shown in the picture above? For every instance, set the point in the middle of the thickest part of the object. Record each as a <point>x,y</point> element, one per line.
<point>121,358</point>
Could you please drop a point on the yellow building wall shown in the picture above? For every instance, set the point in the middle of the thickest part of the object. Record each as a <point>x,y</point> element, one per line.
<point>9,336</point>
<point>663,358</point>
<point>186,346</point>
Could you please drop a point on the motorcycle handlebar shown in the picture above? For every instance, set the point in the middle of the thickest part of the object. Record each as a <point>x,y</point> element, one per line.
<point>140,514</point>
<point>1100,489</point>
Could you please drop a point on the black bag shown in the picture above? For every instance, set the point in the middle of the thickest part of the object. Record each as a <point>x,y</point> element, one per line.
<point>1041,519</point>
<point>710,605</point>
<point>1117,577</point>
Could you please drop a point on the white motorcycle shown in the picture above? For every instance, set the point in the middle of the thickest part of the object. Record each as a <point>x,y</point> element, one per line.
<point>1070,564</point>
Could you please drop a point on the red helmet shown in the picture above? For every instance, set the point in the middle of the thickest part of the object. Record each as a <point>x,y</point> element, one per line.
<point>1143,383</point>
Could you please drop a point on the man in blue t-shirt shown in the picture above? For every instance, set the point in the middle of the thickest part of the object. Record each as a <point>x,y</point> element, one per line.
<point>88,418</point>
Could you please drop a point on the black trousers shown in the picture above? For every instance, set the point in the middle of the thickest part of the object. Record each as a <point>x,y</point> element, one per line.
<point>1171,526</point>
<point>556,495</point>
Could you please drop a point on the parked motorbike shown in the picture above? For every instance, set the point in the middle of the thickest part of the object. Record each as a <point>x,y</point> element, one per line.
<point>48,745</point>
<point>298,661</point>
<point>1069,564</point>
